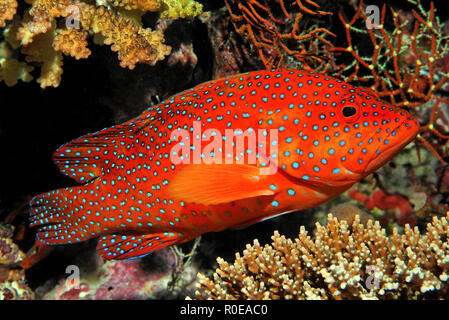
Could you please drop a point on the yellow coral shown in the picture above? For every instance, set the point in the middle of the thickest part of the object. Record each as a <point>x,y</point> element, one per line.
<point>175,9</point>
<point>44,36</point>
<point>72,43</point>
<point>40,17</point>
<point>12,70</point>
<point>144,5</point>
<point>41,50</point>
<point>134,44</point>
<point>7,11</point>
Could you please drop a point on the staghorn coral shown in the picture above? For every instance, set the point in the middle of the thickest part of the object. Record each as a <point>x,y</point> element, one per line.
<point>340,261</point>
<point>51,28</point>
<point>12,70</point>
<point>134,44</point>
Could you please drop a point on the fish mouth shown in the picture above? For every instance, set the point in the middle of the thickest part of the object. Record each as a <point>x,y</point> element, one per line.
<point>403,135</point>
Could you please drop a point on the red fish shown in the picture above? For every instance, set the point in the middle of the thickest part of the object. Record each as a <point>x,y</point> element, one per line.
<point>175,172</point>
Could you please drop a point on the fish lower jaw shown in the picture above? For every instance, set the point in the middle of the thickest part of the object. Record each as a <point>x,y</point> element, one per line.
<point>385,156</point>
<point>403,136</point>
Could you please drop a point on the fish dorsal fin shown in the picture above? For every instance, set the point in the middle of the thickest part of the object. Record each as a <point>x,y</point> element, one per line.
<point>82,159</point>
<point>131,246</point>
<point>219,183</point>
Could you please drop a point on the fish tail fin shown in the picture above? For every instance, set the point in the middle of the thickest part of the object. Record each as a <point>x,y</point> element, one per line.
<point>52,214</point>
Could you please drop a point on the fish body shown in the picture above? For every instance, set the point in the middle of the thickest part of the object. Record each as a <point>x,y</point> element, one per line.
<point>224,154</point>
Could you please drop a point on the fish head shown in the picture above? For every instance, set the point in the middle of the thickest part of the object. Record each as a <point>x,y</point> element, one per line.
<point>346,139</point>
<point>382,130</point>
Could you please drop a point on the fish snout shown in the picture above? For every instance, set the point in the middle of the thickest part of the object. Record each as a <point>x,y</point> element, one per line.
<point>406,130</point>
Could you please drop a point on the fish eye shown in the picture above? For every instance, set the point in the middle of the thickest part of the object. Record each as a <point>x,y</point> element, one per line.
<point>349,111</point>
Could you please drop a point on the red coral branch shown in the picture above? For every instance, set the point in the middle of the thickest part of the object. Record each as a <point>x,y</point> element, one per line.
<point>257,21</point>
<point>402,65</point>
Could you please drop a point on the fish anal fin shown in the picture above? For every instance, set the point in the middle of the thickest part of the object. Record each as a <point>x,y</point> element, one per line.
<point>133,246</point>
<point>218,183</point>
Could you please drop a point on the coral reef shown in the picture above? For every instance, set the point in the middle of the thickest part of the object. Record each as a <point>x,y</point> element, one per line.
<point>12,279</point>
<point>162,274</point>
<point>401,66</point>
<point>174,9</point>
<point>382,200</point>
<point>348,212</point>
<point>279,34</point>
<point>403,58</point>
<point>396,201</point>
<point>232,54</point>
<point>340,261</point>
<point>51,28</point>
<point>114,280</point>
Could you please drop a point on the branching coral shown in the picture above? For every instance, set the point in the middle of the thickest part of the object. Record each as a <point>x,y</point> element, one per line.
<point>278,30</point>
<point>341,261</point>
<point>401,66</point>
<point>434,133</point>
<point>402,58</point>
<point>51,28</point>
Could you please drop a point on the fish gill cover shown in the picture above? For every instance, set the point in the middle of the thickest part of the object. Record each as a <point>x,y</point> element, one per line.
<point>182,138</point>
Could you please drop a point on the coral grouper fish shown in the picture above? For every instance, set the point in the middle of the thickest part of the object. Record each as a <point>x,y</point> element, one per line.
<point>180,169</point>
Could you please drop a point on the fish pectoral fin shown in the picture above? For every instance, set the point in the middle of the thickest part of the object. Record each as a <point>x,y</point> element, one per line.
<point>260,219</point>
<point>132,246</point>
<point>211,184</point>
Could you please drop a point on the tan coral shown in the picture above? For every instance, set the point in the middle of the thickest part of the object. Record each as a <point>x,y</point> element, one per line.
<point>12,70</point>
<point>341,261</point>
<point>72,43</point>
<point>134,44</point>
<point>41,50</point>
<point>145,5</point>
<point>40,17</point>
<point>115,23</point>
<point>8,9</point>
